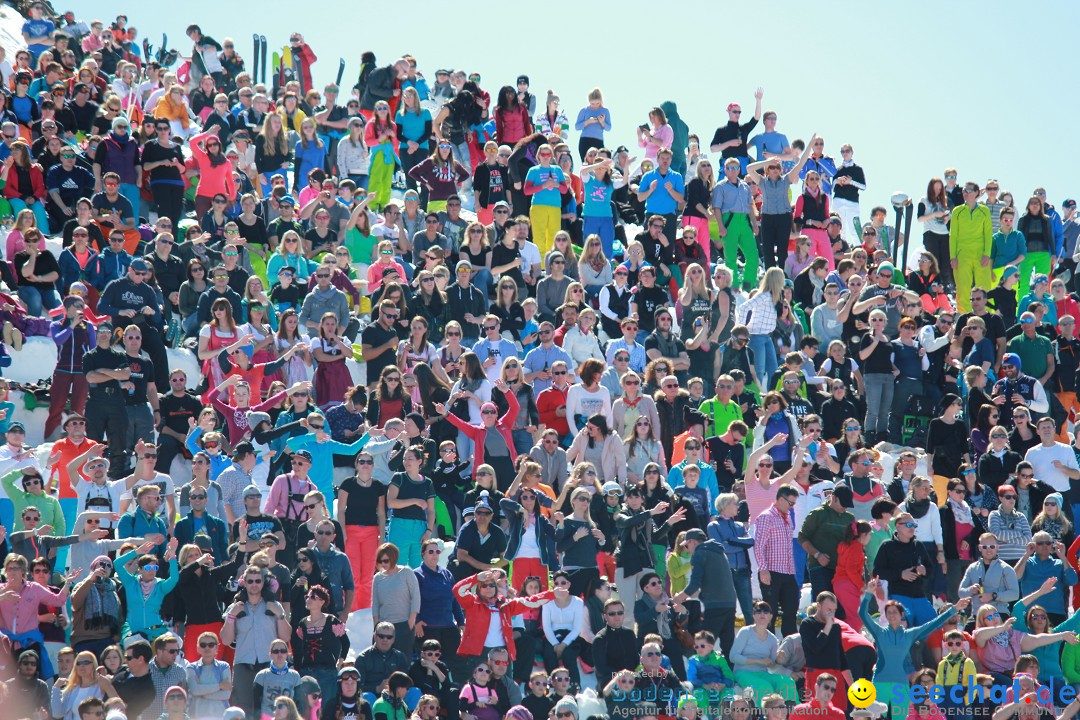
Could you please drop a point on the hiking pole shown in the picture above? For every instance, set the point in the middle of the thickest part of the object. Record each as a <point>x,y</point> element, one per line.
<point>899,200</point>
<point>909,211</point>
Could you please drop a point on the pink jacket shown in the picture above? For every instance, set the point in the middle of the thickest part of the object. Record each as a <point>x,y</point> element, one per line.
<point>212,180</point>
<point>476,432</point>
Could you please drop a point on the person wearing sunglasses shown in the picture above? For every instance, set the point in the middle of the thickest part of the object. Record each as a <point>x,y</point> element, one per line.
<point>137,569</point>
<point>908,566</point>
<point>66,182</point>
<point>30,490</point>
<point>209,680</point>
<point>258,626</point>
<point>273,686</point>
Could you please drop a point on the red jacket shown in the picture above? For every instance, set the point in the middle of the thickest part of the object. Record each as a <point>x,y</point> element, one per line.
<point>547,402</point>
<point>476,432</point>
<point>850,562</point>
<point>512,125</point>
<point>478,614</point>
<point>37,181</point>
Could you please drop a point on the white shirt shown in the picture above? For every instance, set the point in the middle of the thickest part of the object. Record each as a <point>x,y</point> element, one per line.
<point>162,481</point>
<point>568,618</point>
<point>112,492</point>
<point>529,547</point>
<point>494,634</point>
<point>1042,462</point>
<point>929,529</point>
<point>530,255</point>
<point>809,498</point>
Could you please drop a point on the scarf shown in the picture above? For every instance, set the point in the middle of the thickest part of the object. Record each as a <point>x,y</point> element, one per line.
<point>147,587</point>
<point>102,608</point>
<point>917,508</point>
<point>819,288</point>
<point>276,671</point>
<point>961,511</point>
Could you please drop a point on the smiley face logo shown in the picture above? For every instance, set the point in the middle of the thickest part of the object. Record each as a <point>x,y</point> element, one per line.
<point>862,693</point>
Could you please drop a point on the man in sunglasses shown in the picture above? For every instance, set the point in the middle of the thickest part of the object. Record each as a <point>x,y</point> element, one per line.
<point>615,646</point>
<point>324,298</point>
<point>66,183</point>
<point>26,692</point>
<point>990,580</point>
<point>169,270</point>
<point>220,288</point>
<point>1016,389</point>
<point>200,522</point>
<point>905,564</point>
<point>133,682</point>
<point>113,210</point>
<point>131,300</point>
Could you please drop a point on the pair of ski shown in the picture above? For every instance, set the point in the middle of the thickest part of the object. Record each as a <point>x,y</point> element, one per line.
<point>903,212</point>
<point>258,64</point>
<point>285,67</point>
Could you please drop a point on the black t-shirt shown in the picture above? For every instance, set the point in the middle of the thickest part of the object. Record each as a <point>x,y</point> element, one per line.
<point>121,206</point>
<point>137,692</point>
<point>45,264</point>
<point>319,243</point>
<point>97,240</point>
<point>375,335</point>
<point>279,227</point>
<point>104,359</point>
<point>363,502</point>
<point>995,328</point>
<point>153,152</point>
<point>648,299</point>
<point>175,411</point>
<point>409,489</point>
<point>880,360</point>
<point>502,255</point>
<point>254,233</point>
<point>142,373</point>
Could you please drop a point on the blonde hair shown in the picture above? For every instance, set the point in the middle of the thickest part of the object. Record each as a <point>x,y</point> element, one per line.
<point>773,283</point>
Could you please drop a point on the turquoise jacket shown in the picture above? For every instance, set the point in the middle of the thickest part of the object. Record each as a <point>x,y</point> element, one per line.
<point>144,614</point>
<point>895,645</point>
<point>322,458</point>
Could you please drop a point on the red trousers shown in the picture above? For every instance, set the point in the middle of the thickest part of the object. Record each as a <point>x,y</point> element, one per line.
<point>523,568</point>
<point>65,385</point>
<point>361,544</point>
<point>849,596</point>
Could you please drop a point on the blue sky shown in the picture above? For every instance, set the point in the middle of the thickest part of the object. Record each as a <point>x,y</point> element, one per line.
<point>979,87</point>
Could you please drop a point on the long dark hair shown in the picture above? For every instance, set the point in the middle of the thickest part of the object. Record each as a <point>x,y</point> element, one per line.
<point>600,421</point>
<point>383,392</point>
<point>315,577</point>
<point>855,529</point>
<point>427,382</point>
<point>508,99</point>
<point>938,197</point>
<point>465,109</point>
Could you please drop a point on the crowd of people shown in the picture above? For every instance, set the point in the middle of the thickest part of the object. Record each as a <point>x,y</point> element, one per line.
<point>576,428</point>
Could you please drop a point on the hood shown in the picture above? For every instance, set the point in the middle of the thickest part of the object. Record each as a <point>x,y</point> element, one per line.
<point>670,109</point>
<point>713,546</point>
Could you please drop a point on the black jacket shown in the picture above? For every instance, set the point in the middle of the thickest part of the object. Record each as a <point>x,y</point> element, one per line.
<point>948,533</point>
<point>994,472</point>
<point>893,558</point>
<point>614,649</point>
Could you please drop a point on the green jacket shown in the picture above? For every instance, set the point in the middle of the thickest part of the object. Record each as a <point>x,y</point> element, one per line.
<point>824,527</point>
<point>51,514</point>
<point>970,231</point>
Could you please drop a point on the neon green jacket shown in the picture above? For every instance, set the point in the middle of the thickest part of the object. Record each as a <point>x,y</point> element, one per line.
<point>970,231</point>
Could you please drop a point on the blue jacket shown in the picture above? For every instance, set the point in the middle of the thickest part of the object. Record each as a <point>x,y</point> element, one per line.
<point>215,528</point>
<point>137,524</point>
<point>322,457</point>
<point>893,646</point>
<point>1057,227</point>
<point>545,534</point>
<point>71,271</point>
<point>113,265</point>
<point>733,536</point>
<point>438,606</point>
<point>144,613</point>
